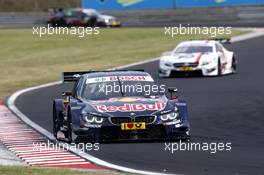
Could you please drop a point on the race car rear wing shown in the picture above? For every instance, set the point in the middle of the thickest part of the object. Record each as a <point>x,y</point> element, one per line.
<point>220,40</point>
<point>223,40</point>
<point>74,76</point>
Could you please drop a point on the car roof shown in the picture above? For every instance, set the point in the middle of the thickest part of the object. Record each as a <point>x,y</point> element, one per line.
<point>198,42</point>
<point>116,73</point>
<point>75,9</point>
<point>89,10</point>
<point>83,10</point>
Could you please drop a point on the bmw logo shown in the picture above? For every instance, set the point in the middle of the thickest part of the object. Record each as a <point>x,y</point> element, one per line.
<point>132,114</point>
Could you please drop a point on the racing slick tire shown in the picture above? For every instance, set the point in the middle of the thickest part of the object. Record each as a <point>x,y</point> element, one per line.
<point>234,65</point>
<point>219,69</point>
<point>163,76</point>
<point>69,134</point>
<point>57,119</point>
<point>71,137</point>
<point>184,138</point>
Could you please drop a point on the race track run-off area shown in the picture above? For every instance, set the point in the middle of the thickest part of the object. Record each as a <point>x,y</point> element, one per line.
<point>221,109</point>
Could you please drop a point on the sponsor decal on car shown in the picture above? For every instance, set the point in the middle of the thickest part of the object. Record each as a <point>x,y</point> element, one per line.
<point>127,107</point>
<point>133,126</point>
<point>127,99</point>
<point>199,57</point>
<point>117,78</point>
<point>186,68</point>
<point>133,99</point>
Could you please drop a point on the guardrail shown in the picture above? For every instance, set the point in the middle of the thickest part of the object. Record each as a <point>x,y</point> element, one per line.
<point>164,4</point>
<point>234,16</point>
<point>22,19</point>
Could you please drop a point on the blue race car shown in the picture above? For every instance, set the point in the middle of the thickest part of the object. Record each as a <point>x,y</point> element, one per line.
<point>101,108</point>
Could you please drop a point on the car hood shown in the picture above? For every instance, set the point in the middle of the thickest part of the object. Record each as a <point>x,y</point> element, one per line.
<point>129,106</point>
<point>186,58</point>
<point>106,17</point>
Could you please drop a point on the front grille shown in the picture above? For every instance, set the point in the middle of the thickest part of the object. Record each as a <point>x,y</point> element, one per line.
<point>119,120</point>
<point>146,119</point>
<point>114,133</point>
<point>177,65</point>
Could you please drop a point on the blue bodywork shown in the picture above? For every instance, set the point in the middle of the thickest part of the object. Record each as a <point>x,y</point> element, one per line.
<point>77,107</point>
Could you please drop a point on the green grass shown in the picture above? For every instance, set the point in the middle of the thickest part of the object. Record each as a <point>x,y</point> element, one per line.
<point>26,170</point>
<point>27,60</point>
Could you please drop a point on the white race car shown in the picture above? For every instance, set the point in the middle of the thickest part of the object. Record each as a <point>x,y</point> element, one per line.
<point>205,57</point>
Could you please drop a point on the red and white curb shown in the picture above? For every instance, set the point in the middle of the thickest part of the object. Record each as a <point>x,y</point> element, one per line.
<point>26,143</point>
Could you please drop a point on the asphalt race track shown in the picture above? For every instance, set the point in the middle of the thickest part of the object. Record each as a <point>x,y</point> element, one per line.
<point>221,109</point>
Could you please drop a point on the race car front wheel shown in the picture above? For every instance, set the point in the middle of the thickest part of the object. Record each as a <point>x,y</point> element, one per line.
<point>234,65</point>
<point>219,69</point>
<point>55,121</point>
<point>69,127</point>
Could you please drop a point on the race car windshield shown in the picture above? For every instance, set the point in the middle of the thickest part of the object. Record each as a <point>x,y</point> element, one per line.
<point>114,89</point>
<point>193,49</point>
<point>75,14</point>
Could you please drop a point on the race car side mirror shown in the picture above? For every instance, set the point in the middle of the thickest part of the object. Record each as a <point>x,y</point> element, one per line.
<point>173,91</point>
<point>66,101</point>
<point>66,97</point>
<point>166,53</point>
<point>66,94</point>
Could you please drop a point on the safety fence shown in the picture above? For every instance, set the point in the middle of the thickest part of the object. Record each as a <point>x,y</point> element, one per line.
<point>164,4</point>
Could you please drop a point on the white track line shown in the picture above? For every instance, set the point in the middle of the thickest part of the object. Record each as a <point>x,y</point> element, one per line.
<point>13,97</point>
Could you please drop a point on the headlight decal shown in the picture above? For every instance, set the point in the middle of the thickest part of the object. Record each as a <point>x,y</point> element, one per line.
<point>93,119</point>
<point>168,64</point>
<point>170,116</point>
<point>99,120</point>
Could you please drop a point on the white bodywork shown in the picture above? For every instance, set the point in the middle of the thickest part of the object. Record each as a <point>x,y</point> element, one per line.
<point>107,19</point>
<point>206,62</point>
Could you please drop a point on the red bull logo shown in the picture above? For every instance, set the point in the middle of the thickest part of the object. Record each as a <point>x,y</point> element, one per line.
<point>131,107</point>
